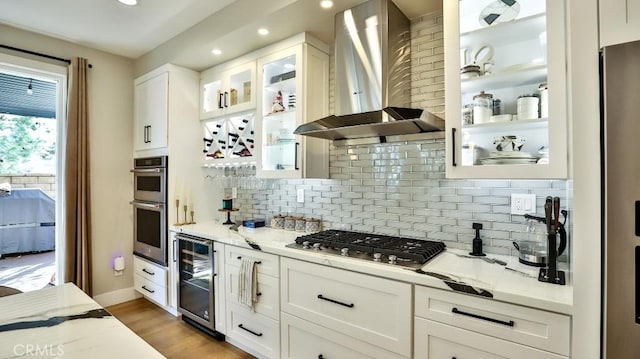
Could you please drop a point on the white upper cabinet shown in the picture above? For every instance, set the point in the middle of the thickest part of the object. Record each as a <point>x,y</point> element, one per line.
<point>227,90</point>
<point>293,89</point>
<point>505,86</point>
<point>619,21</point>
<point>151,112</point>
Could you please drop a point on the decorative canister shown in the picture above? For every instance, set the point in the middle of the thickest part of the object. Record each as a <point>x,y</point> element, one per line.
<point>312,225</point>
<point>496,106</point>
<point>467,114</point>
<point>300,224</point>
<point>289,223</point>
<point>227,203</point>
<point>277,221</point>
<point>544,100</point>
<point>482,107</point>
<point>527,106</point>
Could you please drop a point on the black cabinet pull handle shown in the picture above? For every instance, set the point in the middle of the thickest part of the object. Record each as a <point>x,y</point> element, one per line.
<point>148,290</point>
<point>453,147</point>
<point>335,301</point>
<point>320,356</point>
<point>259,294</point>
<point>295,160</point>
<point>509,323</point>
<point>220,95</point>
<point>226,99</point>
<point>146,271</point>
<point>257,262</point>
<point>249,330</point>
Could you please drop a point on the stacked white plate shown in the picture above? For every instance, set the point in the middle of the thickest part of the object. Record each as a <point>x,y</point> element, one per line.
<point>509,158</point>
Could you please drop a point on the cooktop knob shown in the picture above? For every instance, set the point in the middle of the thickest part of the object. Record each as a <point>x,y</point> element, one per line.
<point>344,252</point>
<point>305,245</point>
<point>377,256</point>
<point>392,259</point>
<point>316,246</point>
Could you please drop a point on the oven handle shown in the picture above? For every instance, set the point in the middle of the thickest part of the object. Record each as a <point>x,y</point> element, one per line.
<point>147,170</point>
<point>146,205</point>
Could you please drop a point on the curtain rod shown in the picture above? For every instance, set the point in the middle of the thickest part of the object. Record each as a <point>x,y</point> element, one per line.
<point>38,54</point>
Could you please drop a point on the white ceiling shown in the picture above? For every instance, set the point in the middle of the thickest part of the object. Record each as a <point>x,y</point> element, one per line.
<point>185,29</point>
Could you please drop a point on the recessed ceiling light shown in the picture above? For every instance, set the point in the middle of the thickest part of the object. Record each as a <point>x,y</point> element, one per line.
<point>216,52</point>
<point>129,2</point>
<point>326,4</point>
<point>263,31</point>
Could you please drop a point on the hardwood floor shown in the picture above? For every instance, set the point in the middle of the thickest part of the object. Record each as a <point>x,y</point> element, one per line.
<point>170,335</point>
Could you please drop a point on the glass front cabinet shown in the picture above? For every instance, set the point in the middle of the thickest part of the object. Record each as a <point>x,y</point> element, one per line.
<point>506,113</point>
<point>227,90</point>
<point>293,88</point>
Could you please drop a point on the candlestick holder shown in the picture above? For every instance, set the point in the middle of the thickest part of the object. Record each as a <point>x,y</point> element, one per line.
<point>177,224</point>
<point>184,207</point>
<point>192,221</point>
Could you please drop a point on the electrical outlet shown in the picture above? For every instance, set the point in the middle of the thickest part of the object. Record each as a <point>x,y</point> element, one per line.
<point>522,203</point>
<point>300,197</point>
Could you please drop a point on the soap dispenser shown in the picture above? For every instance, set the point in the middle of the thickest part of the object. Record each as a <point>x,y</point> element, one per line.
<point>477,241</point>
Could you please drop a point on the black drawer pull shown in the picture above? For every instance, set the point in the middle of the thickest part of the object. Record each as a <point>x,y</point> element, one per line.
<point>509,323</point>
<point>335,301</point>
<point>320,356</point>
<point>250,331</point>
<point>259,294</point>
<point>453,147</point>
<point>148,290</point>
<point>146,271</point>
<point>257,262</point>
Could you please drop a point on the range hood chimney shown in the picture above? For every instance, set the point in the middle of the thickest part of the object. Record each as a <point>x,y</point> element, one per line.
<point>373,77</point>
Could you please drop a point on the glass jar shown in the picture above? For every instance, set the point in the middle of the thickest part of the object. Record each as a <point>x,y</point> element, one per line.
<point>467,114</point>
<point>482,107</point>
<point>527,106</point>
<point>301,224</point>
<point>277,222</point>
<point>312,225</point>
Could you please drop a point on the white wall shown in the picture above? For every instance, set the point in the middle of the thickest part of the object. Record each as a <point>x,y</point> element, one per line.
<point>110,134</point>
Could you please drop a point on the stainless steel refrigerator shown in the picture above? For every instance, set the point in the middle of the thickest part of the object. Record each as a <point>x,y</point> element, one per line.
<point>620,76</point>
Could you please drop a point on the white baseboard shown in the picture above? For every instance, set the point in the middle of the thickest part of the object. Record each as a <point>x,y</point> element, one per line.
<point>117,297</point>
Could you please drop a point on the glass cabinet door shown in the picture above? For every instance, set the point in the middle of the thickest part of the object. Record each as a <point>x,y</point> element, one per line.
<point>279,90</point>
<point>196,279</point>
<point>502,114</point>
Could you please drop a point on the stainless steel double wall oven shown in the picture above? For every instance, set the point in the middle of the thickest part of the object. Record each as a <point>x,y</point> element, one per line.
<point>150,208</point>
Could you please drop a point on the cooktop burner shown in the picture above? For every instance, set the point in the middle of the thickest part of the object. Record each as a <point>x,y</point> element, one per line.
<point>379,248</point>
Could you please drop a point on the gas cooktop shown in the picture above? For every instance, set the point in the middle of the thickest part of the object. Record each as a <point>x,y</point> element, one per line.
<point>401,251</point>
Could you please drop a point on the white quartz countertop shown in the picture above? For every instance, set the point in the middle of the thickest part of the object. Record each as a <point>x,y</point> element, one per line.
<point>64,322</point>
<point>518,286</point>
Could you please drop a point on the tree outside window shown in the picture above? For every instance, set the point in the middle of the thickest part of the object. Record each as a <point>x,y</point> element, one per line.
<point>27,145</point>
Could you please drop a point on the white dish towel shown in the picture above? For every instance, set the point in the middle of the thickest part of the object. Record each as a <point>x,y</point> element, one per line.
<point>248,283</point>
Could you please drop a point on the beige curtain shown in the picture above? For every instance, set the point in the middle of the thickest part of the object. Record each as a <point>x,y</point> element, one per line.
<point>77,231</point>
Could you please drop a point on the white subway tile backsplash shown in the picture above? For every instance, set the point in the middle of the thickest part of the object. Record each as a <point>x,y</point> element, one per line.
<point>400,188</point>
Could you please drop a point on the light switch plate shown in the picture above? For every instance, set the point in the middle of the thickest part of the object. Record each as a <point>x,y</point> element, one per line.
<point>523,203</point>
<point>300,195</point>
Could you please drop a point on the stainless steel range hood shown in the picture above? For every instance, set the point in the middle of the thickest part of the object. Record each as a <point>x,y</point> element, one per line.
<point>373,77</point>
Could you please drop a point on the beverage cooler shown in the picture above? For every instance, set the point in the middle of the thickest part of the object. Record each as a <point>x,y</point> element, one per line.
<point>196,299</point>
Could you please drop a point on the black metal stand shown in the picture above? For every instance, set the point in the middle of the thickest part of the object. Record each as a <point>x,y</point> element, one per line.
<point>229,221</point>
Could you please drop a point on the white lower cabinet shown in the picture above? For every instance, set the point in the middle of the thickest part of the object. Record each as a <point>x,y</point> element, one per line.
<point>370,309</point>
<point>450,325</point>
<point>150,280</point>
<point>253,332</point>
<point>256,331</point>
<point>303,339</point>
<point>435,340</point>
